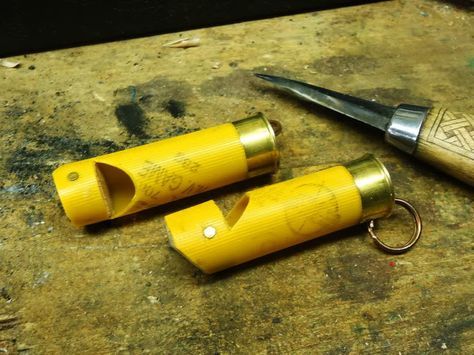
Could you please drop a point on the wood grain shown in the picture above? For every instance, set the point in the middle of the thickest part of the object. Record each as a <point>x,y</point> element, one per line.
<point>447,141</point>
<point>117,287</point>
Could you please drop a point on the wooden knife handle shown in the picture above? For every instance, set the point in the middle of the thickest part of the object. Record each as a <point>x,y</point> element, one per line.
<point>446,140</point>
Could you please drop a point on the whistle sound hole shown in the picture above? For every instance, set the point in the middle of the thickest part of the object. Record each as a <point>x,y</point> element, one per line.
<point>117,187</point>
<point>237,211</point>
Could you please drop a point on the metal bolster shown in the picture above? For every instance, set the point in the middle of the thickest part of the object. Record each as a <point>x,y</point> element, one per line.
<point>404,127</point>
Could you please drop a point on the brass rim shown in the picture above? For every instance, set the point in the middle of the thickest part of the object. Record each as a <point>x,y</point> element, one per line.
<point>258,139</point>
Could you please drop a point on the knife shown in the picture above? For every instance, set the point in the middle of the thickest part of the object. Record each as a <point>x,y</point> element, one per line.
<point>442,138</point>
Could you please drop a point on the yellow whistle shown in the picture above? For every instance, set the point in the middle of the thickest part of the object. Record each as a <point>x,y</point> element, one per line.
<point>281,215</point>
<point>128,181</point>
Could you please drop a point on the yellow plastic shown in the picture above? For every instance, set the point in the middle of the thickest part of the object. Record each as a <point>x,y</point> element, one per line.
<point>266,220</point>
<point>131,180</point>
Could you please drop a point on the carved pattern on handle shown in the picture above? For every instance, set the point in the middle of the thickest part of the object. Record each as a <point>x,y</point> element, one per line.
<point>453,131</point>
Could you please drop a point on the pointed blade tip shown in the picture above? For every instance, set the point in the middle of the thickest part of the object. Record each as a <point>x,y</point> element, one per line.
<point>261,76</point>
<point>266,77</point>
<point>370,113</point>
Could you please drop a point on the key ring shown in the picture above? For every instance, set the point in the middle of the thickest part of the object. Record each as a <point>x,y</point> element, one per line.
<point>414,238</point>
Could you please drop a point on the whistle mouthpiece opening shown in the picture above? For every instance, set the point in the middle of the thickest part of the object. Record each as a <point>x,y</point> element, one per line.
<point>131,180</point>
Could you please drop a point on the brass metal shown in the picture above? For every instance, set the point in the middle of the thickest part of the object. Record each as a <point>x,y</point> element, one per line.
<point>258,138</point>
<point>414,237</point>
<point>73,176</point>
<point>375,186</point>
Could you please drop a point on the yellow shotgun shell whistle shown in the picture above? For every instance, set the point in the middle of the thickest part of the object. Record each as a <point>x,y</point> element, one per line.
<point>128,181</point>
<point>281,215</point>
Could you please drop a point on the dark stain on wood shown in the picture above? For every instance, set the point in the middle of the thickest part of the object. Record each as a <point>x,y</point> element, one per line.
<point>235,84</point>
<point>152,96</point>
<point>133,119</point>
<point>33,217</point>
<point>358,278</point>
<point>451,327</point>
<point>138,109</point>
<point>176,108</point>
<point>39,155</point>
<point>16,112</point>
<point>5,294</point>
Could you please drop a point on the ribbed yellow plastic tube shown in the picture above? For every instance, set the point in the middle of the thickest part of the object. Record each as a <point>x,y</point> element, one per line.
<point>281,215</point>
<point>131,180</point>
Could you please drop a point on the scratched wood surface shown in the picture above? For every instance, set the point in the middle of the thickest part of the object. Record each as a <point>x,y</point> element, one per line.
<point>118,288</point>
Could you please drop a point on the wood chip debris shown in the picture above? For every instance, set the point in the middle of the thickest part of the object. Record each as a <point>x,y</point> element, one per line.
<point>9,64</point>
<point>184,43</point>
<point>98,97</point>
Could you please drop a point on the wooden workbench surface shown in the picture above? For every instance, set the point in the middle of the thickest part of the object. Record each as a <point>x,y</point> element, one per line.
<point>118,288</point>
